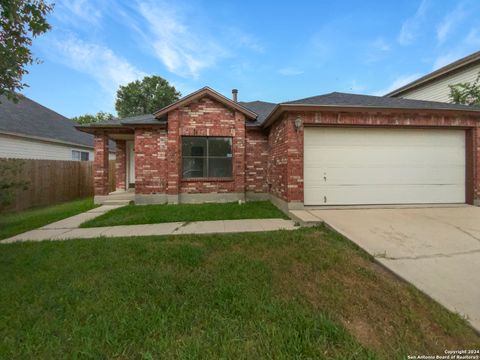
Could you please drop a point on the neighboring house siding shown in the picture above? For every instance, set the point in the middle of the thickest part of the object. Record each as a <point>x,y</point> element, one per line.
<point>438,89</point>
<point>24,148</point>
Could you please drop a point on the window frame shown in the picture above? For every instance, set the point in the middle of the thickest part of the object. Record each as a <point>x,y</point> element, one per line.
<point>81,154</point>
<point>207,157</point>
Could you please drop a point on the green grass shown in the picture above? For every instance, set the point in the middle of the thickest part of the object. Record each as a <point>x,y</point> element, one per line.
<point>152,214</point>
<point>18,222</point>
<point>280,295</point>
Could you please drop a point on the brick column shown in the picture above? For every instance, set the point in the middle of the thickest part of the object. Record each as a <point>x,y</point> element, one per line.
<point>100,165</point>
<point>239,152</point>
<point>173,156</point>
<point>121,165</point>
<point>476,165</point>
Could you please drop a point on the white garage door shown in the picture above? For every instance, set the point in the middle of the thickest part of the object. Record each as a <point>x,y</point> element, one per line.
<point>348,166</point>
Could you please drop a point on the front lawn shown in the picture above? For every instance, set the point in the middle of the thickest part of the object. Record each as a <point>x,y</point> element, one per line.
<point>15,223</point>
<point>152,214</point>
<point>280,295</point>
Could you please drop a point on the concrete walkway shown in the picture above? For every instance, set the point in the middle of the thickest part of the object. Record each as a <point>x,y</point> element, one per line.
<point>69,228</point>
<point>436,249</point>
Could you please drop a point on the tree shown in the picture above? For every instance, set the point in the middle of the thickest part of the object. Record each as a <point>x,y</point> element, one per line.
<point>89,118</point>
<point>466,93</point>
<point>145,97</point>
<point>20,22</point>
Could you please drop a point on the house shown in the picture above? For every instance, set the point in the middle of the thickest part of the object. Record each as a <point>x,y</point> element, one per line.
<point>434,86</point>
<point>29,130</point>
<point>333,149</point>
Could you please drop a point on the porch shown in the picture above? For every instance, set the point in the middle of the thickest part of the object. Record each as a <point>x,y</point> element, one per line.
<point>124,168</point>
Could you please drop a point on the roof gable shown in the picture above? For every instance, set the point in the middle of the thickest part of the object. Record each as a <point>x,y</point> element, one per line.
<point>206,91</point>
<point>455,66</point>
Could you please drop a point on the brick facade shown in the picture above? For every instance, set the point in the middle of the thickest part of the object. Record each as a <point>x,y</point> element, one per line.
<point>100,164</point>
<point>290,188</point>
<point>120,165</point>
<point>256,161</point>
<point>265,161</point>
<point>150,160</point>
<point>205,117</point>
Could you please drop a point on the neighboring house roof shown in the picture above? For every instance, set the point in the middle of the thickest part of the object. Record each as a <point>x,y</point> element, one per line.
<point>444,71</point>
<point>30,119</point>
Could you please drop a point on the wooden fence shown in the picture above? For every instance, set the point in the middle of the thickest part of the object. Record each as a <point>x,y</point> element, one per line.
<point>52,181</point>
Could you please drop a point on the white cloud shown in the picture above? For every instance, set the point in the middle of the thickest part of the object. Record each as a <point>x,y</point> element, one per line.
<point>99,62</point>
<point>184,50</point>
<point>290,71</point>
<point>78,12</point>
<point>449,22</point>
<point>411,26</point>
<point>397,83</point>
<point>381,45</point>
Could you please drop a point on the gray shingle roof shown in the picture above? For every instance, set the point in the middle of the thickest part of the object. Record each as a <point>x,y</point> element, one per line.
<point>147,119</point>
<point>344,99</point>
<point>32,119</point>
<point>261,108</point>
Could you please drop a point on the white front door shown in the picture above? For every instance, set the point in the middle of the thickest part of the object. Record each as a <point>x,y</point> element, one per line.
<point>130,162</point>
<point>349,166</point>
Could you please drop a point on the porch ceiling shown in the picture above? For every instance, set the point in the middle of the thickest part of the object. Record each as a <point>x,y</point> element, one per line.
<point>121,136</point>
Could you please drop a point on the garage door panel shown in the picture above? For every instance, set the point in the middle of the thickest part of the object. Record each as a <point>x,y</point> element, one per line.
<point>383,194</point>
<point>451,175</point>
<point>406,156</point>
<point>383,137</point>
<point>383,166</point>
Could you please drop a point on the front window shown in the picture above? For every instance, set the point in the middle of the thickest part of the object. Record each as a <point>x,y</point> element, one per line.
<point>206,157</point>
<point>80,155</point>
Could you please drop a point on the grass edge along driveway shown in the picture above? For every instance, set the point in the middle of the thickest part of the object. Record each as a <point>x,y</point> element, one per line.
<point>13,223</point>
<point>153,214</point>
<point>288,294</point>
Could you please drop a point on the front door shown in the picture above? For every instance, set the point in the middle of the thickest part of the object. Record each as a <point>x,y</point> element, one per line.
<point>130,164</point>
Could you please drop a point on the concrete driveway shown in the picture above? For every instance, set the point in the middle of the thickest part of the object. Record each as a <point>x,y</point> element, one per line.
<point>436,249</point>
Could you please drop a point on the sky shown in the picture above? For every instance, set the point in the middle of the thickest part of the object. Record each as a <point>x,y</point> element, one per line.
<point>269,50</point>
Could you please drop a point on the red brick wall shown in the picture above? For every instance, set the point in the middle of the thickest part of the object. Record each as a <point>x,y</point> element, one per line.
<point>286,139</point>
<point>476,163</point>
<point>256,161</point>
<point>150,160</point>
<point>100,164</point>
<point>205,117</point>
<point>278,160</point>
<point>120,164</point>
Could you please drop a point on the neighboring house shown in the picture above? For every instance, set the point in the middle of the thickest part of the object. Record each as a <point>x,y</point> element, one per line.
<point>29,130</point>
<point>334,149</point>
<point>434,86</point>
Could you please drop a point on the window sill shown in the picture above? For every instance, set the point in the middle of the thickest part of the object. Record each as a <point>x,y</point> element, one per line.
<point>208,179</point>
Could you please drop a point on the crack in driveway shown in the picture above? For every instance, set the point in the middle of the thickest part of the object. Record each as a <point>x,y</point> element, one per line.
<point>385,256</point>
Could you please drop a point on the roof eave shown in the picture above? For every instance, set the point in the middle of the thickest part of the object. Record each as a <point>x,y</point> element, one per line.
<point>280,108</point>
